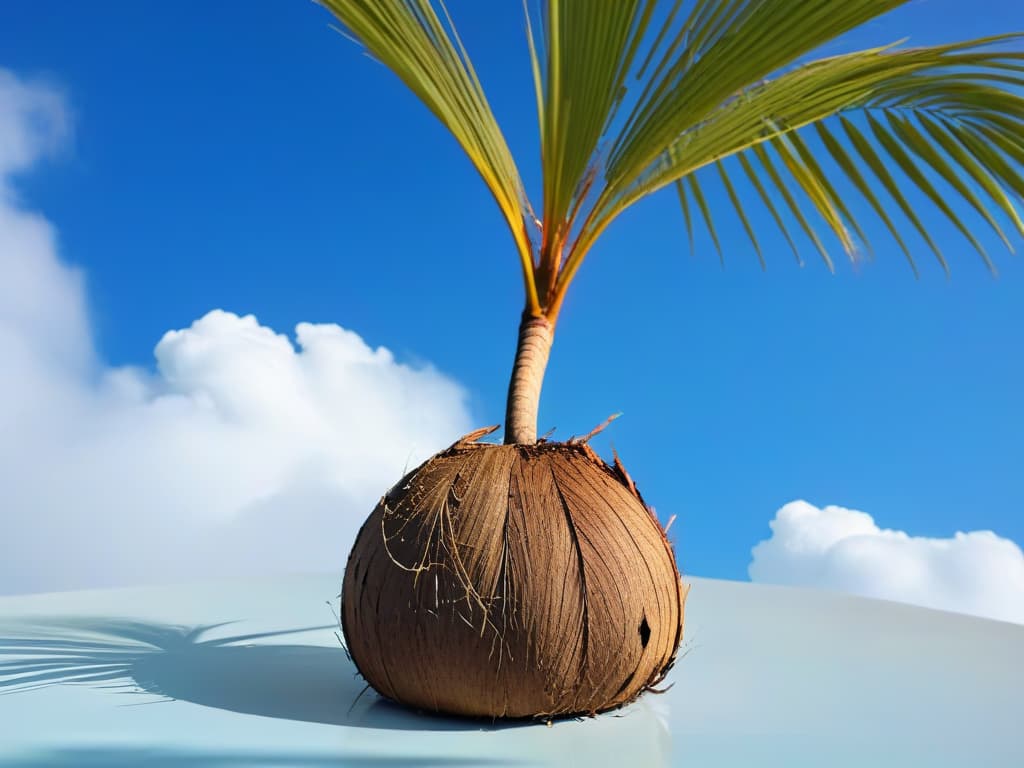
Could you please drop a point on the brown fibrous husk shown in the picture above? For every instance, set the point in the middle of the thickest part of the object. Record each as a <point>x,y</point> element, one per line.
<point>513,581</point>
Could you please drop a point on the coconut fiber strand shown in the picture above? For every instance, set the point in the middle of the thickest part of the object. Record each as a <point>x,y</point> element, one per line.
<point>512,581</point>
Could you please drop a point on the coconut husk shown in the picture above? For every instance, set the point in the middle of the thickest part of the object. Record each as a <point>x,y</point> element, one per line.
<point>513,581</point>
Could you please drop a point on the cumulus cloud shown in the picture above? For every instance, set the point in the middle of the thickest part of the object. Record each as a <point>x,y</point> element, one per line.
<point>835,548</point>
<point>242,450</point>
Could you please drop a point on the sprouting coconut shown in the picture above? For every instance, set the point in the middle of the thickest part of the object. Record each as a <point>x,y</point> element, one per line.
<point>530,579</point>
<point>533,581</point>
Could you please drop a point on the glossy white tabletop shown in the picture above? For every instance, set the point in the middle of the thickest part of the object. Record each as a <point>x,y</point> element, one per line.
<point>251,673</point>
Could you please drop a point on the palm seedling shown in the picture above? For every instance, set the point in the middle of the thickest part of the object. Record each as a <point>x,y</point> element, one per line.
<point>529,578</point>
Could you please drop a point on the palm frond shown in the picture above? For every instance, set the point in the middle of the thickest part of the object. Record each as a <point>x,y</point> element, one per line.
<point>791,202</point>
<point>685,205</point>
<point>843,161</point>
<point>755,182</point>
<point>901,92</point>
<point>409,37</point>
<point>878,167</point>
<point>635,95</point>
<point>580,78</point>
<point>705,212</point>
<point>737,205</point>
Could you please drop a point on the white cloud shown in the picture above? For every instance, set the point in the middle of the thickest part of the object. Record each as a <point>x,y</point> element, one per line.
<point>33,121</point>
<point>835,548</point>
<point>241,452</point>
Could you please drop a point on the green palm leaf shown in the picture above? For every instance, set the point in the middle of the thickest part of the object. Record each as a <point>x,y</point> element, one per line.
<point>968,164</point>
<point>737,204</point>
<point>843,160</point>
<point>409,38</point>
<point>705,211</point>
<point>685,205</point>
<point>586,57</point>
<point>755,181</point>
<point>635,95</point>
<point>875,164</point>
<point>928,154</point>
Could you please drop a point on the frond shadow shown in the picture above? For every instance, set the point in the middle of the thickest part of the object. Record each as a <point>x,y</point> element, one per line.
<point>121,756</point>
<point>245,673</point>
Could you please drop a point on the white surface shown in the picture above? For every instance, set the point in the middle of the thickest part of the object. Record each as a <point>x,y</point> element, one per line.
<point>771,676</point>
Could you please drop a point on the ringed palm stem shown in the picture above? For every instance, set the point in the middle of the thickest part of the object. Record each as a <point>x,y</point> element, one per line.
<point>523,402</point>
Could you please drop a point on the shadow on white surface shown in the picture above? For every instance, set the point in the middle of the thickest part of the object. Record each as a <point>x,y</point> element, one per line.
<point>776,677</point>
<point>239,673</point>
<point>133,757</point>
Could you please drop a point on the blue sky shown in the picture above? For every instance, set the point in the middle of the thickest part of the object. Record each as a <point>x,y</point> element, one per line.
<point>246,157</point>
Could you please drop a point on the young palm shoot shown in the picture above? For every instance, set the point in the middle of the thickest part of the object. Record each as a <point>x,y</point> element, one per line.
<point>529,579</point>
